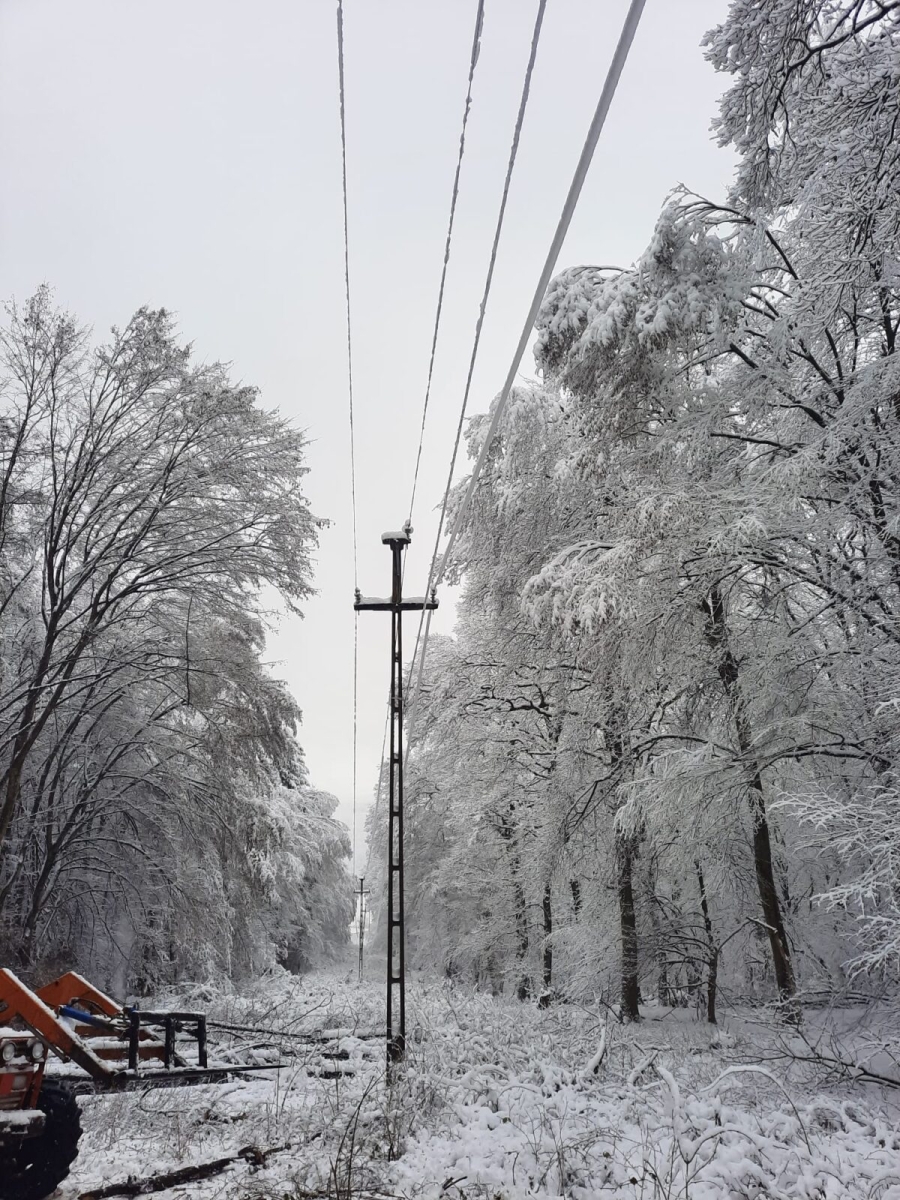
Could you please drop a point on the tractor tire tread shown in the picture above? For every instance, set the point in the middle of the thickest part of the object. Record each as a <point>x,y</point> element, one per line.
<point>38,1166</point>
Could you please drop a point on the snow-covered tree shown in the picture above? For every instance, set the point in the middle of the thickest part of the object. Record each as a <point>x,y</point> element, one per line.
<point>692,526</point>
<point>145,502</point>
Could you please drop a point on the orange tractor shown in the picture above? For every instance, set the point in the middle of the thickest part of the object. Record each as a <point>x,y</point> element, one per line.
<point>113,1048</point>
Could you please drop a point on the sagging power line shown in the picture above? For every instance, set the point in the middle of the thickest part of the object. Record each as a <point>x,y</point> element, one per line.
<point>454,196</point>
<point>498,229</point>
<point>620,56</point>
<point>343,115</point>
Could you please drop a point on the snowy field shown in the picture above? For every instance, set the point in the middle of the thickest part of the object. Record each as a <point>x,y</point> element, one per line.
<point>502,1100</point>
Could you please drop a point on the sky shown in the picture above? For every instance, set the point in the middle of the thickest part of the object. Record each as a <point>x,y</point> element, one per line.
<point>186,154</point>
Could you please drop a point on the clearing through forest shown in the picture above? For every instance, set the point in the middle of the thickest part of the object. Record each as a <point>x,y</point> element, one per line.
<point>502,1100</point>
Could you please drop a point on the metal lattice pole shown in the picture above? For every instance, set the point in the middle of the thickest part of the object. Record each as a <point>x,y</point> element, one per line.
<point>362,893</point>
<point>396,964</point>
<point>396,931</point>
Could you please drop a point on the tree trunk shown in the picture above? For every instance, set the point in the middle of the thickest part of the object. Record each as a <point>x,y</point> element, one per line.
<point>548,944</point>
<point>712,967</point>
<point>663,993</point>
<point>762,843</point>
<point>631,994</point>
<point>523,984</point>
<point>626,845</point>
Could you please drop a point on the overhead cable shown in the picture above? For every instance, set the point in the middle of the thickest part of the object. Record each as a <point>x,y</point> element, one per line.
<point>473,62</point>
<point>342,92</point>
<point>620,56</point>
<point>454,196</point>
<point>513,153</point>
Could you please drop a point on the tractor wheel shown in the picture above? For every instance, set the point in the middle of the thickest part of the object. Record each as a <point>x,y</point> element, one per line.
<point>36,1167</point>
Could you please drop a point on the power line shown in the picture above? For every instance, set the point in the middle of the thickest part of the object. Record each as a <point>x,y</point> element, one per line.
<point>513,153</point>
<point>596,128</point>
<point>473,62</point>
<point>342,90</point>
<point>340,45</point>
<point>620,56</point>
<point>454,195</point>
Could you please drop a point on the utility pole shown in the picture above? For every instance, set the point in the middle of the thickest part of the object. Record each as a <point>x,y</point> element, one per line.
<point>362,923</point>
<point>396,929</point>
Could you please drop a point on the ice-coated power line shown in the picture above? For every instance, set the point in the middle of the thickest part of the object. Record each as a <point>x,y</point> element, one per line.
<point>513,153</point>
<point>620,56</point>
<point>454,196</point>
<point>343,109</point>
<point>341,85</point>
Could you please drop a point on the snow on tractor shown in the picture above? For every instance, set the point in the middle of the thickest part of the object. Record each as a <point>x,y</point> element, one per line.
<point>111,1047</point>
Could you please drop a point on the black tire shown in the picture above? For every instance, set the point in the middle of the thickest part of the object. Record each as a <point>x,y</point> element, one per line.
<point>38,1165</point>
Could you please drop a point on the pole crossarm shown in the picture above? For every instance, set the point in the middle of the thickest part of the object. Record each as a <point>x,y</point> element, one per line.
<point>396,928</point>
<point>379,604</point>
<point>361,897</point>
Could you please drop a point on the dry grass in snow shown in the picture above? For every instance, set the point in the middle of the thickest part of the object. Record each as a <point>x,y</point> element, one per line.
<point>502,1100</point>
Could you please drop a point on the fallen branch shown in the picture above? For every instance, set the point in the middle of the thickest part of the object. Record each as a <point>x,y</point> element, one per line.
<point>594,1065</point>
<point>166,1179</point>
<point>852,1071</point>
<point>311,1038</point>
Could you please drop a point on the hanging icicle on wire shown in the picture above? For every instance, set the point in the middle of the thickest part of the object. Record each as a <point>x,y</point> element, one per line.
<point>513,154</point>
<point>343,113</point>
<point>473,62</point>
<point>620,56</point>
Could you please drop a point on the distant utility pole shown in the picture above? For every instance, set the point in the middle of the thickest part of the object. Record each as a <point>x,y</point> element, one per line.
<point>396,930</point>
<point>362,922</point>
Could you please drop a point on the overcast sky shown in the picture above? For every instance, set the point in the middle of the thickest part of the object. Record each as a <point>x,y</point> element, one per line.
<point>186,154</point>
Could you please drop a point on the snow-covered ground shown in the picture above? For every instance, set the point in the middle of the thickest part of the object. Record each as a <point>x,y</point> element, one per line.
<point>502,1100</point>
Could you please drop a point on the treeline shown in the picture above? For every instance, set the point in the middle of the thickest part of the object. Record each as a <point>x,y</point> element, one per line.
<point>156,821</point>
<point>661,756</point>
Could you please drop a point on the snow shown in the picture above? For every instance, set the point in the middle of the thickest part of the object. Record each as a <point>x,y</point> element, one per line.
<point>503,1100</point>
<point>21,1119</point>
